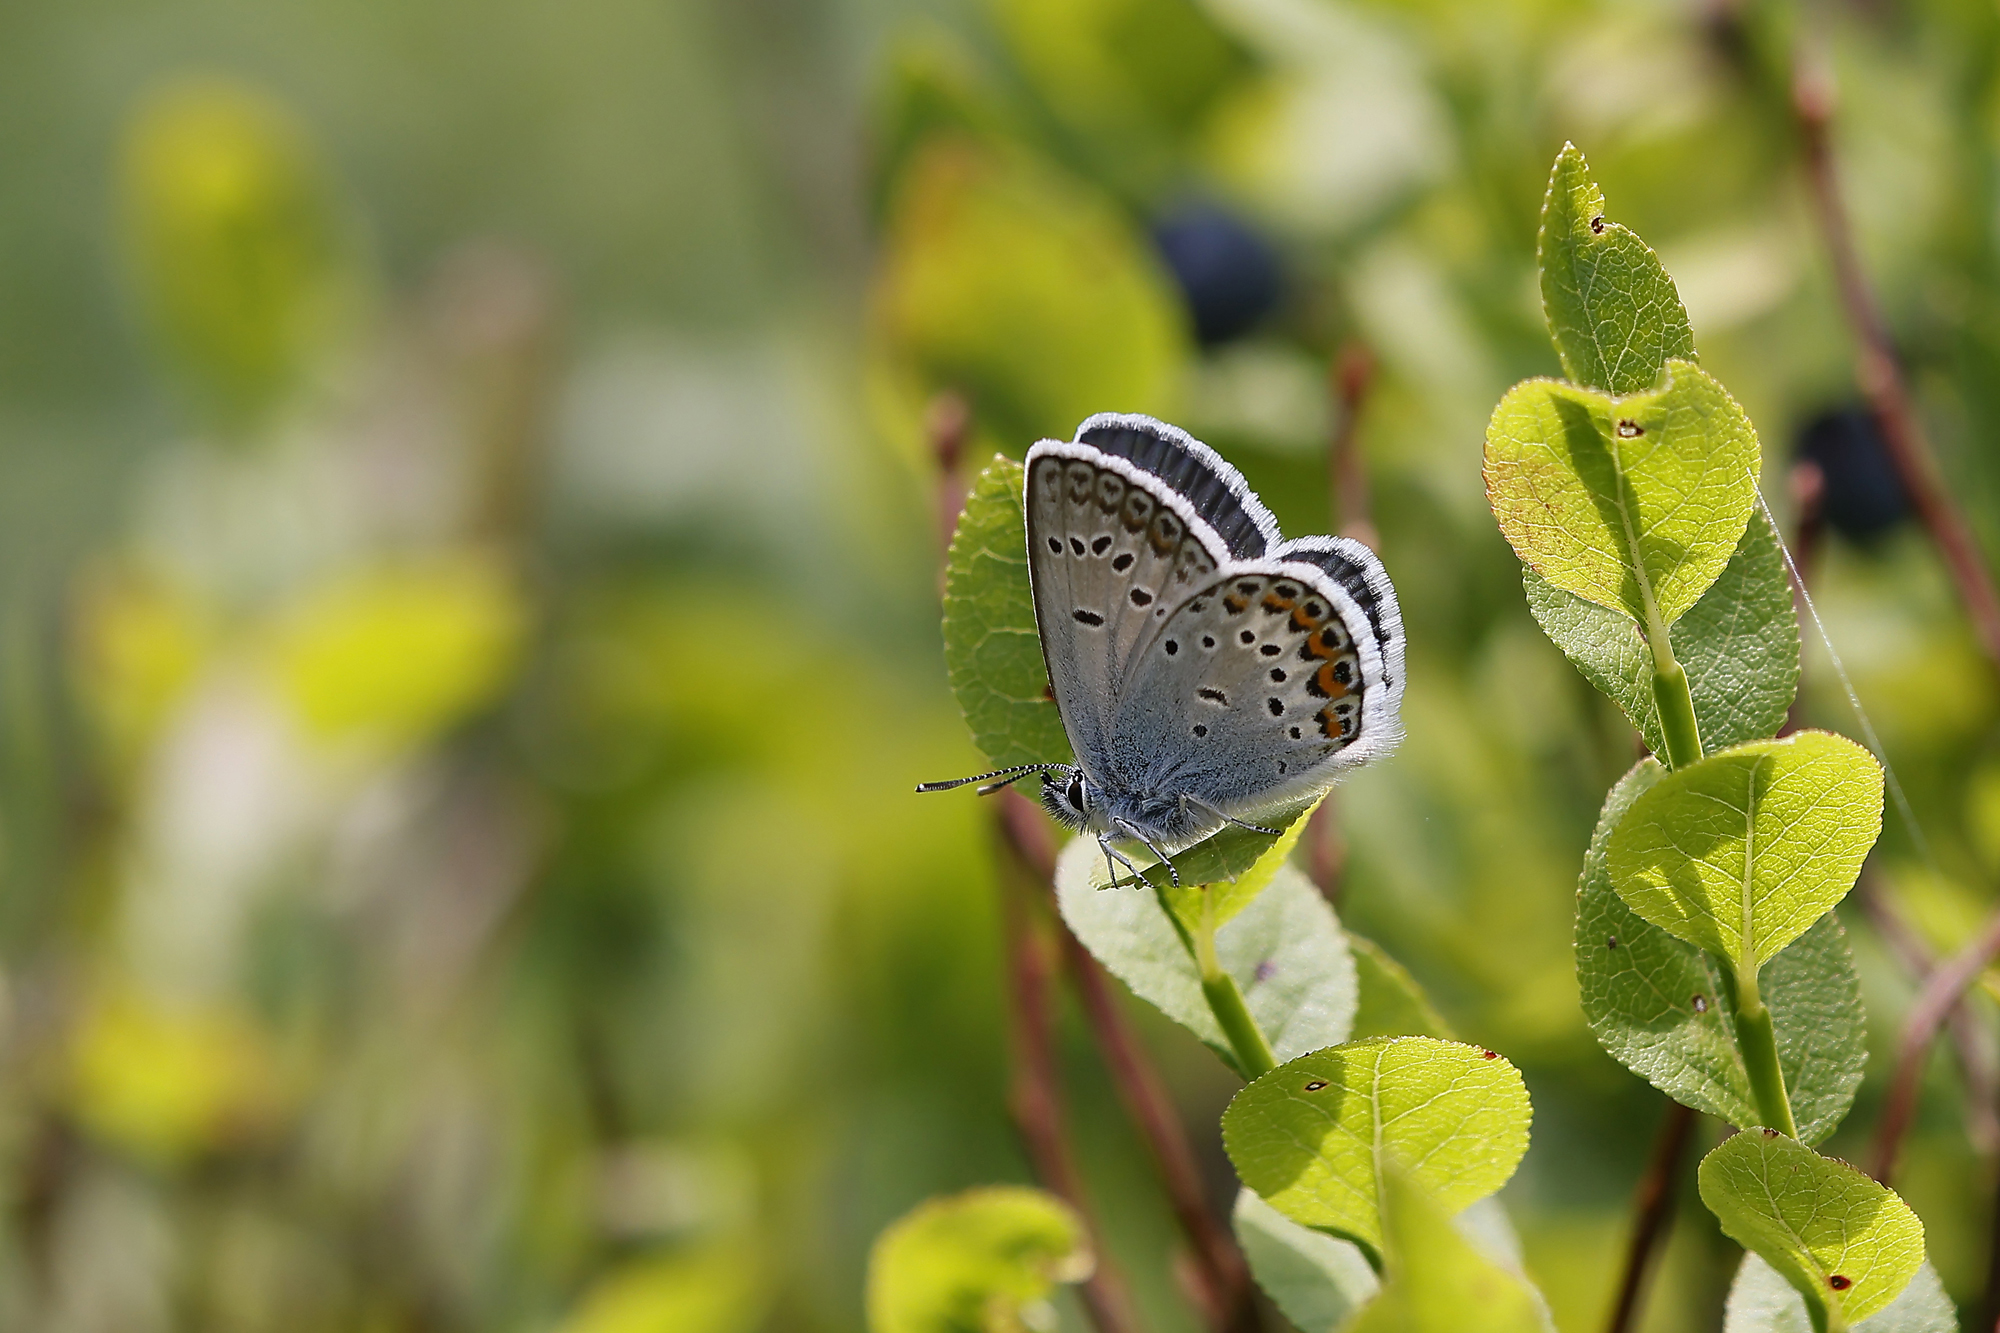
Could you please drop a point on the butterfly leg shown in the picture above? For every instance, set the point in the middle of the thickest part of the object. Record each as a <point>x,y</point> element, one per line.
<point>1125,827</point>
<point>1113,854</point>
<point>1206,808</point>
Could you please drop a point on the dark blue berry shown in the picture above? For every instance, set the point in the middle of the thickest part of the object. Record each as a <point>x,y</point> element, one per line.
<point>1231,276</point>
<point>1862,497</point>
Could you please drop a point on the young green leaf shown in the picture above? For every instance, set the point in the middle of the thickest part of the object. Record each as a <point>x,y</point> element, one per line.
<point>1739,645</point>
<point>1760,1301</point>
<point>1313,1135</point>
<point>1845,1243</point>
<point>1659,1005</point>
<point>980,1260</point>
<point>1390,1002</point>
<point>1438,1280</point>
<point>1317,1281</point>
<point>1741,852</point>
<point>1633,503</point>
<point>1025,289</point>
<point>991,648</point>
<point>1613,312</point>
<point>1285,950</point>
<point>1216,869</point>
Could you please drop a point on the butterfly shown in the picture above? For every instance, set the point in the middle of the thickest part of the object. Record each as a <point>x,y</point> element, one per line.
<point>1208,672</point>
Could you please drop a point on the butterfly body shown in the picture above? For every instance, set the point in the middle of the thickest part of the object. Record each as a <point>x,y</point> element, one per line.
<point>1207,671</point>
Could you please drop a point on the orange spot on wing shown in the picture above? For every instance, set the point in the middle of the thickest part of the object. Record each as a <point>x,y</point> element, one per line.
<point>1326,685</point>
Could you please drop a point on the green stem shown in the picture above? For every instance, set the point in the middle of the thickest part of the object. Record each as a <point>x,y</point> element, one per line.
<point>1225,1001</point>
<point>1676,705</point>
<point>1760,1054</point>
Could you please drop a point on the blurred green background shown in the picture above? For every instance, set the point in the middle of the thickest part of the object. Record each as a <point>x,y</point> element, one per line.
<point>468,598</point>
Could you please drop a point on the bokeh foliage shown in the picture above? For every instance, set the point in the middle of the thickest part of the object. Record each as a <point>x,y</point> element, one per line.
<point>595,965</point>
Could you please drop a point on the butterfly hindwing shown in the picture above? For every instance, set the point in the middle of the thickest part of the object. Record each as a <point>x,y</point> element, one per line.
<point>1257,691</point>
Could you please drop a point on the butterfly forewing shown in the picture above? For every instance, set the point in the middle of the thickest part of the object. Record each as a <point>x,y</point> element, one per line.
<point>1110,557</point>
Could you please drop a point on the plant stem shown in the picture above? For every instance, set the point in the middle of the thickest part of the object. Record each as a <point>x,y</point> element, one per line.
<point>1653,1206</point>
<point>1880,373</point>
<point>1760,1053</point>
<point>1225,1001</point>
<point>1941,992</point>
<point>1036,1095</point>
<point>1982,1081</point>
<point>1676,704</point>
<point>1226,1296</point>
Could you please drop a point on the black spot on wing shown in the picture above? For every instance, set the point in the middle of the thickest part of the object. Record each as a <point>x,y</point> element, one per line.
<point>1202,484</point>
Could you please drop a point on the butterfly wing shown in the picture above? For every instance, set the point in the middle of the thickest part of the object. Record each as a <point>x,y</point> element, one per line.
<point>1266,683</point>
<point>1124,523</point>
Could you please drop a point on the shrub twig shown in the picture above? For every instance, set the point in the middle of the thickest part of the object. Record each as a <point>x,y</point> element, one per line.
<point>1652,1210</point>
<point>1940,993</point>
<point>1879,372</point>
<point>1224,1279</point>
<point>1035,1097</point>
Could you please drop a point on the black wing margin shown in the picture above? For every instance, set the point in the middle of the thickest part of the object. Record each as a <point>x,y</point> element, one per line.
<point>1213,488</point>
<point>1355,568</point>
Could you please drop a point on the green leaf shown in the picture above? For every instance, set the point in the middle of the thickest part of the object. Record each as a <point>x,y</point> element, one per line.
<point>1313,1135</point>
<point>1390,1003</point>
<point>991,648</point>
<point>234,230</point>
<point>977,1262</point>
<point>1739,645</point>
<point>1438,1281</point>
<point>1613,312</point>
<point>1317,1281</point>
<point>1639,987</point>
<point>1231,868</point>
<point>1760,1301</point>
<point>721,1287</point>
<point>1741,852</point>
<point>1026,290</point>
<point>1624,501</point>
<point>1285,949</point>
<point>1845,1243</point>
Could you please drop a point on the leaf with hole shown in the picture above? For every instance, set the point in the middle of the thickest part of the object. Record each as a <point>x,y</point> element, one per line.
<point>1612,311</point>
<point>1739,645</point>
<point>1285,949</point>
<point>1848,1245</point>
<point>1625,502</point>
<point>1660,1005</point>
<point>1760,1301</point>
<point>1742,851</point>
<point>991,648</point>
<point>985,1259</point>
<point>1312,1135</point>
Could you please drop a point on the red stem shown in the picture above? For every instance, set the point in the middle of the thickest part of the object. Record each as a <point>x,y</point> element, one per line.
<point>1653,1208</point>
<point>1035,1098</point>
<point>1223,1278</point>
<point>1939,996</point>
<point>1881,377</point>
